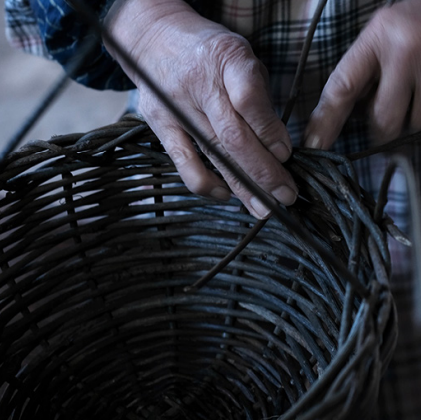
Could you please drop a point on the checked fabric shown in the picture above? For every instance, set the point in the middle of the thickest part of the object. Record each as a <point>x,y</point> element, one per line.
<point>276,31</point>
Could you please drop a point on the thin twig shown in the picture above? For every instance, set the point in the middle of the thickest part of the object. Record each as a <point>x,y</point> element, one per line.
<point>400,161</point>
<point>294,92</point>
<point>280,213</point>
<point>49,98</point>
<point>387,147</point>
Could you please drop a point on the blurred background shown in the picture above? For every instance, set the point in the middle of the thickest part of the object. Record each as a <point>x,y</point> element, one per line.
<point>25,79</point>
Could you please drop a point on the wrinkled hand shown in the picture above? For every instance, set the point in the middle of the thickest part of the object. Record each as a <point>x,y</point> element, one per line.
<point>385,60</point>
<point>212,75</point>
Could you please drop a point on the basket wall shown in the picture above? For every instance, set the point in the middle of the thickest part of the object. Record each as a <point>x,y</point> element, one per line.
<point>100,238</point>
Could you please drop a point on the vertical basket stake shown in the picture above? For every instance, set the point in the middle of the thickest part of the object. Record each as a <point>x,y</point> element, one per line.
<point>402,162</point>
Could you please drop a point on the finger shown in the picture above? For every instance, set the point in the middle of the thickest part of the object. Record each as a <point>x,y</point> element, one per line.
<point>198,179</point>
<point>391,102</point>
<point>249,96</point>
<point>229,169</point>
<point>353,77</point>
<point>245,149</point>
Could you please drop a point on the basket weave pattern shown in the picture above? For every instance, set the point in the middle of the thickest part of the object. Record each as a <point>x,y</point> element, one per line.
<point>99,239</point>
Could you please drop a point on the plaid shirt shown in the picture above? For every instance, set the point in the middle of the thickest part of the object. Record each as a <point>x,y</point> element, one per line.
<point>52,29</point>
<point>276,30</point>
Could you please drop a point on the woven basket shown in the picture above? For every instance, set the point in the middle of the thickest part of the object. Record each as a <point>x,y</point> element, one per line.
<point>99,241</point>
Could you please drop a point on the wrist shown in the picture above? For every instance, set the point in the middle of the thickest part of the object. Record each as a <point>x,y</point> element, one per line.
<point>135,25</point>
<point>151,29</point>
<point>129,20</point>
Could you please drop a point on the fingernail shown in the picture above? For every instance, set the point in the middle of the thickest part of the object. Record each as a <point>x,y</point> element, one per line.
<point>281,151</point>
<point>260,209</point>
<point>221,193</point>
<point>285,195</point>
<point>313,142</point>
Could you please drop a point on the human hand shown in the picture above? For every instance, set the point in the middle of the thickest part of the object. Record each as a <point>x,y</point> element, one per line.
<point>212,75</point>
<point>384,61</point>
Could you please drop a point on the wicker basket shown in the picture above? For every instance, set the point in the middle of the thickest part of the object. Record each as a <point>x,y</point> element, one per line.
<point>99,240</point>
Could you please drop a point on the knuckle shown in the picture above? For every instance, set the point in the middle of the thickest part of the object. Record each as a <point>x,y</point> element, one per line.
<point>404,40</point>
<point>233,139</point>
<point>180,153</point>
<point>243,98</point>
<point>252,86</point>
<point>264,175</point>
<point>407,52</point>
<point>230,50</point>
<point>228,45</point>
<point>271,132</point>
<point>180,156</point>
<point>381,18</point>
<point>340,87</point>
<point>385,128</point>
<point>404,49</point>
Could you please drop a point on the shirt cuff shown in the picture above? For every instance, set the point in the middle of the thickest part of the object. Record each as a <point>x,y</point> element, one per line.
<point>63,33</point>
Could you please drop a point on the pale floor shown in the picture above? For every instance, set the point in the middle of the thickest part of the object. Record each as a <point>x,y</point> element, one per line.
<point>25,79</point>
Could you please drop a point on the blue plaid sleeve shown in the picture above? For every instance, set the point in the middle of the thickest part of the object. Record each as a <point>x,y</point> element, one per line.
<point>63,33</point>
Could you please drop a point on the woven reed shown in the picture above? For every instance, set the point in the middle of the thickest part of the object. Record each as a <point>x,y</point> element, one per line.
<point>100,238</point>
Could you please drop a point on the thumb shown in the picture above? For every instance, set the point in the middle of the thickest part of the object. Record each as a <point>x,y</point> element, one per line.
<point>352,77</point>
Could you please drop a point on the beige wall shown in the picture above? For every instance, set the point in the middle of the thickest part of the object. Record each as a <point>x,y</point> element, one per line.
<point>24,80</point>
